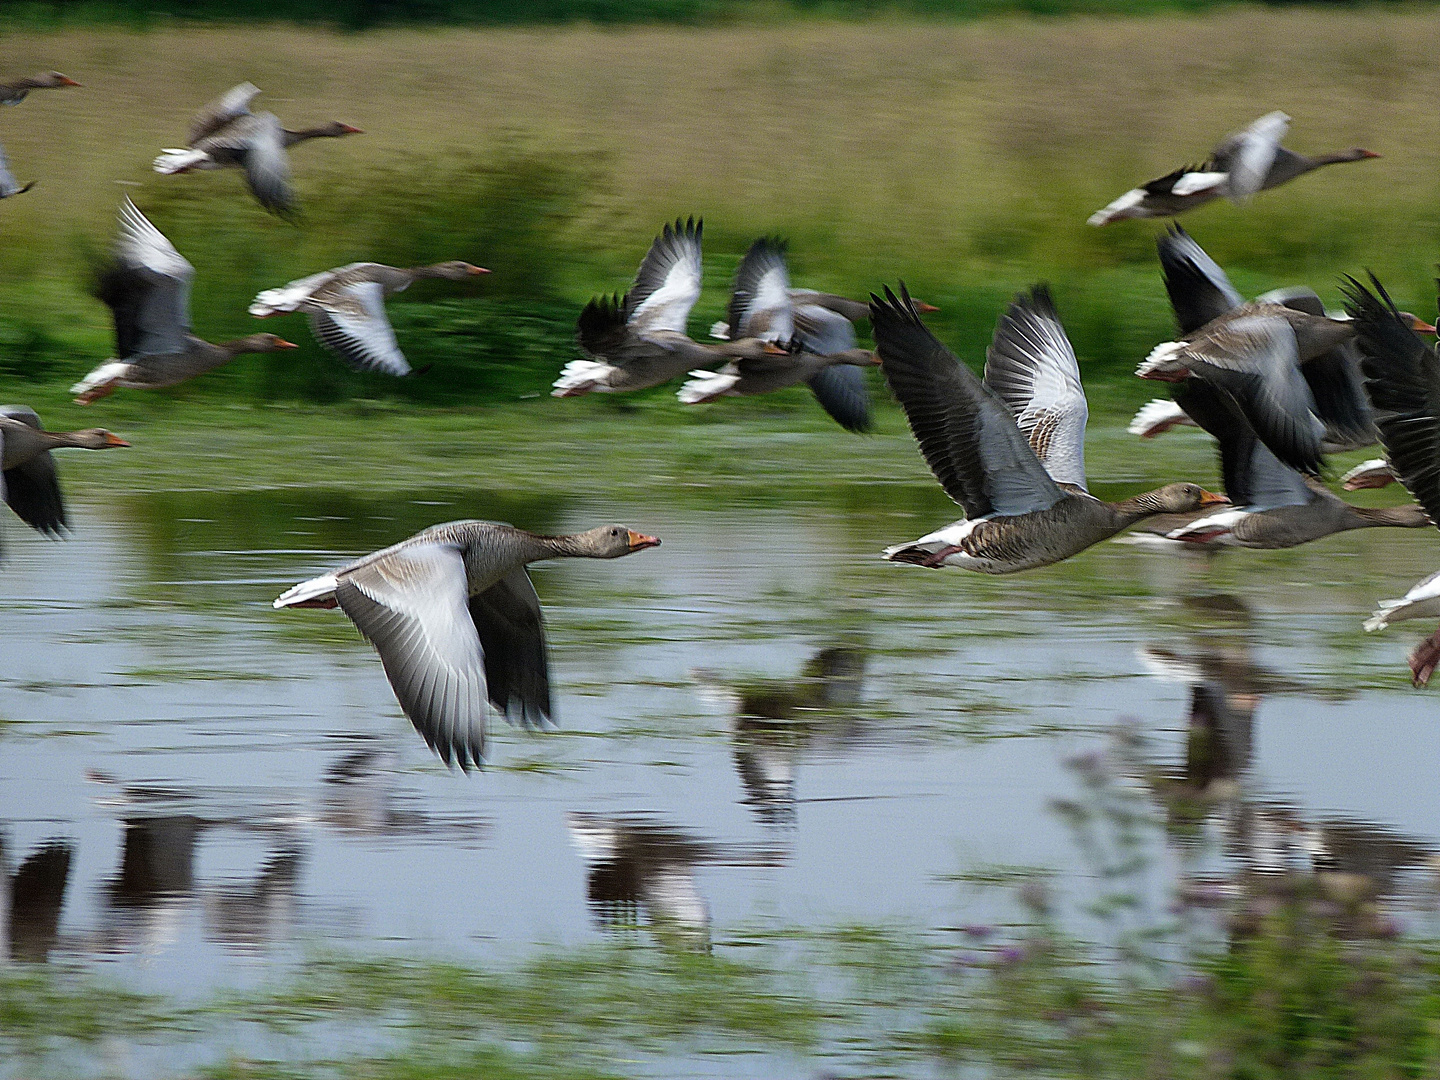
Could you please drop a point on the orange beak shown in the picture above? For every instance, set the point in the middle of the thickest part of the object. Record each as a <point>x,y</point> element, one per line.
<point>281,343</point>
<point>65,80</point>
<point>924,308</point>
<point>475,269</point>
<point>1368,154</point>
<point>771,349</point>
<point>348,130</point>
<point>114,440</point>
<point>1209,498</point>
<point>639,541</point>
<point>1422,327</point>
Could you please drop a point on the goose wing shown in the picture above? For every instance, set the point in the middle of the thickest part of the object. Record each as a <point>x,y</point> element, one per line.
<point>1032,367</point>
<point>512,636</point>
<point>760,305</point>
<point>267,165</point>
<point>965,431</point>
<point>1297,298</point>
<point>229,106</point>
<point>822,331</point>
<point>8,184</point>
<point>1199,290</point>
<point>1252,475</point>
<point>147,288</point>
<point>351,322</point>
<point>601,330</point>
<point>412,605</point>
<point>32,488</point>
<point>668,282</point>
<point>841,391</point>
<point>1402,375</point>
<point>1248,154</point>
<point>1255,358</point>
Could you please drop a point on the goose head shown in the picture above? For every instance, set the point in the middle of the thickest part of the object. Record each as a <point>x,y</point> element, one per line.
<point>96,439</point>
<point>450,271</point>
<point>260,343</point>
<point>610,542</point>
<point>335,129</point>
<point>1179,498</point>
<point>54,80</point>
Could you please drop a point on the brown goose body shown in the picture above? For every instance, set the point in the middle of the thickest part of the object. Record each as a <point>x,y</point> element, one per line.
<point>29,481</point>
<point>456,622</point>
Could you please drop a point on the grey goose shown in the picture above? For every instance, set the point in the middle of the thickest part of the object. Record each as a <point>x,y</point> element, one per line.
<point>456,622</point>
<point>29,481</point>
<point>1011,449</point>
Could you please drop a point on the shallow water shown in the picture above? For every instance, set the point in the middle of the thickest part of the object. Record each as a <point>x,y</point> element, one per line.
<point>195,789</point>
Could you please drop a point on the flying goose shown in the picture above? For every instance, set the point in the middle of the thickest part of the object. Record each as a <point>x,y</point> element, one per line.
<point>29,480</point>
<point>822,348</point>
<point>226,133</point>
<point>1280,357</point>
<point>1249,161</point>
<point>13,93</point>
<point>455,620</point>
<point>1274,506</point>
<point>1011,449</point>
<point>1402,374</point>
<point>346,306</point>
<point>147,287</point>
<point>639,340</point>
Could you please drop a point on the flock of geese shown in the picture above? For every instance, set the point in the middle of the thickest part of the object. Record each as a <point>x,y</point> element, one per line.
<point>1278,381</point>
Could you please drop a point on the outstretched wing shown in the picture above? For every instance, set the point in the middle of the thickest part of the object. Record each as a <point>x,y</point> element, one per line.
<point>1402,375</point>
<point>841,391</point>
<point>147,288</point>
<point>1032,366</point>
<point>229,106</point>
<point>1248,154</point>
<point>1200,291</point>
<point>964,429</point>
<point>412,605</point>
<point>668,281</point>
<point>359,332</point>
<point>760,305</point>
<point>512,635</point>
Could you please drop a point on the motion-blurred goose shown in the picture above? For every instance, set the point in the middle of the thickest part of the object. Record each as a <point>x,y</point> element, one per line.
<point>226,133</point>
<point>12,93</point>
<point>1283,361</point>
<point>1011,449</point>
<point>8,184</point>
<point>640,340</point>
<point>29,481</point>
<point>147,287</point>
<point>346,307</point>
<point>1402,374</point>
<point>1249,161</point>
<point>455,620</point>
<point>821,344</point>
<point>1274,506</point>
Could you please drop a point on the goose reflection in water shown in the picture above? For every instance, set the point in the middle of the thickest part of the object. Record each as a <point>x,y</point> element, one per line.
<point>33,896</point>
<point>636,865</point>
<point>1277,851</point>
<point>774,722</point>
<point>360,797</point>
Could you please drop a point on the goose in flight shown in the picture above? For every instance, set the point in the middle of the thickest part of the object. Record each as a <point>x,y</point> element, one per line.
<point>147,287</point>
<point>29,481</point>
<point>819,342</point>
<point>1249,161</point>
<point>225,133</point>
<point>346,307</point>
<point>453,615</point>
<point>639,340</point>
<point>13,93</point>
<point>1011,449</point>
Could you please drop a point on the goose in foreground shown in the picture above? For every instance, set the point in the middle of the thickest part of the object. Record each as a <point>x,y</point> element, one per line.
<point>822,351</point>
<point>8,184</point>
<point>1247,162</point>
<point>1011,449</point>
<point>29,480</point>
<point>640,340</point>
<point>346,307</point>
<point>147,287</point>
<point>453,615</point>
<point>1285,362</point>
<point>1402,374</point>
<point>13,93</point>
<point>226,133</point>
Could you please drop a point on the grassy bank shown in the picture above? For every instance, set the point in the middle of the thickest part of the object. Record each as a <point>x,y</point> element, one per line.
<point>962,158</point>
